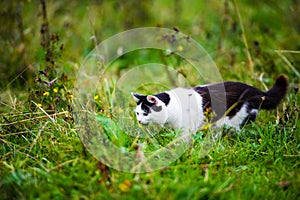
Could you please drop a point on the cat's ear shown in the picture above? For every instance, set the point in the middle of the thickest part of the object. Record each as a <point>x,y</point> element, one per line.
<point>152,99</point>
<point>137,97</point>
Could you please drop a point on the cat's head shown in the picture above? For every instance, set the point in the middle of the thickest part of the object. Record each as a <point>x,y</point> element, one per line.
<point>151,108</point>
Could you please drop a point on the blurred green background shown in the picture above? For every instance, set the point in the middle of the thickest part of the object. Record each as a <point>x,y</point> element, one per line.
<point>268,26</point>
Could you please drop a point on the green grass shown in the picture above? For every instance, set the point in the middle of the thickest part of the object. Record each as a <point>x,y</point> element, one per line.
<point>42,155</point>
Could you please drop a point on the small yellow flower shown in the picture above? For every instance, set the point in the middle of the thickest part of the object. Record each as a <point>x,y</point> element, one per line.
<point>96,97</point>
<point>180,48</point>
<point>205,127</point>
<point>70,96</point>
<point>55,90</point>
<point>207,112</point>
<point>46,94</point>
<point>39,105</point>
<point>125,186</point>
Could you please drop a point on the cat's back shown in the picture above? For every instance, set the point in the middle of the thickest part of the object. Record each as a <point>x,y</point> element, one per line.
<point>231,91</point>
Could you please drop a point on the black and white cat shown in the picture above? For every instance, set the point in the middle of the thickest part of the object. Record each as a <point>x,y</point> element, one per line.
<point>184,107</point>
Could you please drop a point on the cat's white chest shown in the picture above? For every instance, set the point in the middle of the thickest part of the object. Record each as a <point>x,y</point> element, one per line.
<point>185,109</point>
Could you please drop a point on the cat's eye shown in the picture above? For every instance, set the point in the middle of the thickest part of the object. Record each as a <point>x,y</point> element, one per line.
<point>145,114</point>
<point>137,113</point>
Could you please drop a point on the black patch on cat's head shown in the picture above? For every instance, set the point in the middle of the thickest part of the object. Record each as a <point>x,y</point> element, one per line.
<point>156,108</point>
<point>146,105</point>
<point>164,97</point>
<point>139,98</point>
<point>142,99</point>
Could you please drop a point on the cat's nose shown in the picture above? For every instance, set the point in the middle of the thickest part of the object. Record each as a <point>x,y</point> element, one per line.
<point>139,121</point>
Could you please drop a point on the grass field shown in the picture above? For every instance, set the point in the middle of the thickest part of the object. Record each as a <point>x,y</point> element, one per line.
<point>43,154</point>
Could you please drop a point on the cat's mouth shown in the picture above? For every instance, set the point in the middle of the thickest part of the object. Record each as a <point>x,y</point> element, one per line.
<point>143,123</point>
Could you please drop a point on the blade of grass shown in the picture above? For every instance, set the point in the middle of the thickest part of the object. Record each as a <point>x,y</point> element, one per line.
<point>289,64</point>
<point>250,62</point>
<point>40,117</point>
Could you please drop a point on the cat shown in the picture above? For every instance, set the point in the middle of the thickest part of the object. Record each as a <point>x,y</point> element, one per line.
<point>232,103</point>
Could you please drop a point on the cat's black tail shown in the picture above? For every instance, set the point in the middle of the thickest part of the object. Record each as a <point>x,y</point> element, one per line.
<point>273,96</point>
